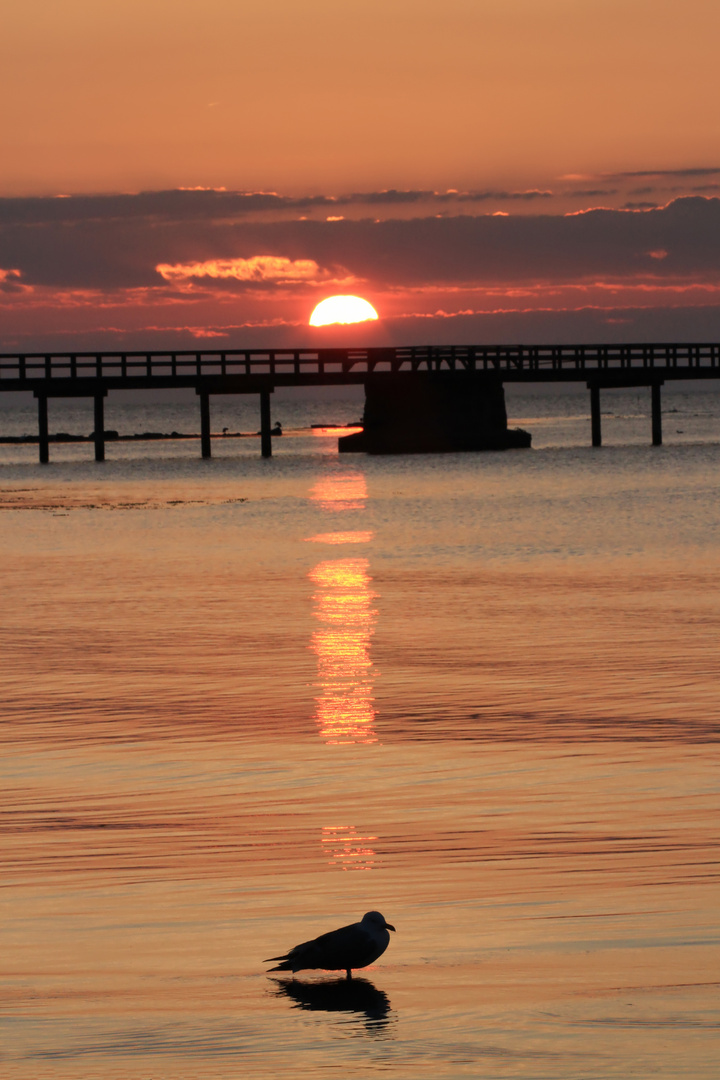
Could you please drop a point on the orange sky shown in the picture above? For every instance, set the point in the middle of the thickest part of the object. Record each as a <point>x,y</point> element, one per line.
<point>371,121</point>
<point>314,95</point>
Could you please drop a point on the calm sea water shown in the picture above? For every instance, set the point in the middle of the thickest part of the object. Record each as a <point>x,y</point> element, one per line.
<point>246,701</point>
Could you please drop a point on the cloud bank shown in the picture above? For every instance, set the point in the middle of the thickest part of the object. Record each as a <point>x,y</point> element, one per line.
<point>147,259</point>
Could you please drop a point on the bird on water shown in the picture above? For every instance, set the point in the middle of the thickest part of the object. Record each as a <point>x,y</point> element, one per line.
<point>353,946</point>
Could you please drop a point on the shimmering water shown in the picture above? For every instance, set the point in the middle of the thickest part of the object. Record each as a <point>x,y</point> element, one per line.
<point>245,701</point>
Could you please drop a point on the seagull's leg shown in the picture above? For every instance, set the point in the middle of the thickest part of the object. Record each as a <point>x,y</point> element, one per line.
<point>348,974</point>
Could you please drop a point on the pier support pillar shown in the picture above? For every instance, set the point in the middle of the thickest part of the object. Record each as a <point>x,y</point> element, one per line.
<point>99,427</point>
<point>656,414</point>
<point>595,416</point>
<point>265,436</point>
<point>433,412</point>
<point>205,424</point>
<point>43,439</point>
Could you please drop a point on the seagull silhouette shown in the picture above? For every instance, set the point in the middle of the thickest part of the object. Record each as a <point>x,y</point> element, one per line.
<point>353,946</point>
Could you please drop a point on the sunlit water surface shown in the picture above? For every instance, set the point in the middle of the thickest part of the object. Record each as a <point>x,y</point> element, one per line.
<point>245,701</point>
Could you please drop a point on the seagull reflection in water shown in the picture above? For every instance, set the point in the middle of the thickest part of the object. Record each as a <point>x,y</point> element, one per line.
<point>338,995</point>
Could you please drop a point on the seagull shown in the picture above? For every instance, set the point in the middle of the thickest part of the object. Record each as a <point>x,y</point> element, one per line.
<point>353,946</point>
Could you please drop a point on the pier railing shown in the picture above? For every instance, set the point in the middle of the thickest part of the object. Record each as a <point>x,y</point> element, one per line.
<point>289,366</point>
<point>260,371</point>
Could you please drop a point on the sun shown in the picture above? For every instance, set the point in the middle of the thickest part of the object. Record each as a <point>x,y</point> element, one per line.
<point>342,309</point>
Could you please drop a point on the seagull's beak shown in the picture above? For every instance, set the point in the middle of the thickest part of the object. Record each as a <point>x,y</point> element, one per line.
<point>389,927</point>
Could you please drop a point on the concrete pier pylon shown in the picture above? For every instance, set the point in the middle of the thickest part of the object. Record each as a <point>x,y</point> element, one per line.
<point>434,412</point>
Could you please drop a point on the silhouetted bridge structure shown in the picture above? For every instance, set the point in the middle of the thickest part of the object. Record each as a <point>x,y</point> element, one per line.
<point>260,371</point>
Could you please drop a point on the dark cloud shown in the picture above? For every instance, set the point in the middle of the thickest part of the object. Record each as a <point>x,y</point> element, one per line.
<point>590,193</point>
<point>495,196</point>
<point>489,249</point>
<point>10,281</point>
<point>675,173</point>
<point>114,253</point>
<point>391,197</point>
<point>208,204</point>
<point>177,205</point>
<point>401,197</point>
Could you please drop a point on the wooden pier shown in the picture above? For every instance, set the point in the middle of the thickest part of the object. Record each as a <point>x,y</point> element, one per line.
<point>260,371</point>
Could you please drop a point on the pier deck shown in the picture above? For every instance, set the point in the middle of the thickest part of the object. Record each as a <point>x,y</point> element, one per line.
<point>260,371</point>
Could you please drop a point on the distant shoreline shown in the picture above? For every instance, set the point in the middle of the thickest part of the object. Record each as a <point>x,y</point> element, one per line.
<point>154,436</point>
<point>112,436</point>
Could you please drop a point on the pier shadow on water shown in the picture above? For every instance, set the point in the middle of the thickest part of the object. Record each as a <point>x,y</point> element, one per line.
<point>356,996</point>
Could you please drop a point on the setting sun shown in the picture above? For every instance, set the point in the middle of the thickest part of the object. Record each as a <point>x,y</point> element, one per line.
<point>342,309</point>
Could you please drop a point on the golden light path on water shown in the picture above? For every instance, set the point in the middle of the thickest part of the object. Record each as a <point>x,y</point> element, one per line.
<point>343,607</point>
<point>346,848</point>
<point>346,491</point>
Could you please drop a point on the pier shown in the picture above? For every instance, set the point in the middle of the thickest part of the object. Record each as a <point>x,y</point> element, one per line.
<point>260,371</point>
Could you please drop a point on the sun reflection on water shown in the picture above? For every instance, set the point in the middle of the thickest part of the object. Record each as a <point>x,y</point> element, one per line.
<point>346,848</point>
<point>345,491</point>
<point>344,610</point>
<point>355,537</point>
<point>343,606</point>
